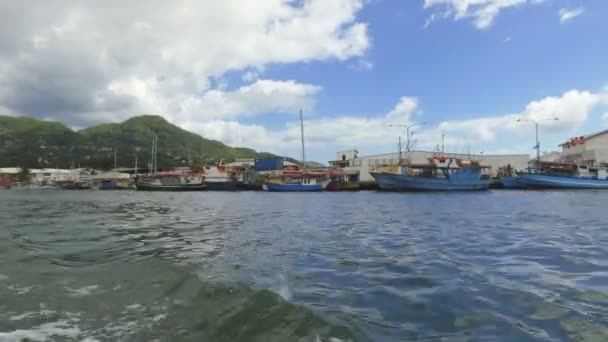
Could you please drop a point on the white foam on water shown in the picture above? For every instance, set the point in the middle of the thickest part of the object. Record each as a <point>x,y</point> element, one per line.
<point>23,316</point>
<point>20,290</point>
<point>284,291</point>
<point>133,306</point>
<point>82,291</point>
<point>43,332</point>
<point>3,276</point>
<point>89,339</point>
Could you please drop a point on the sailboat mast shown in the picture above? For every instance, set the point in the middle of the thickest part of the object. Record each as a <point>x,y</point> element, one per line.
<point>155,153</point>
<point>114,158</point>
<point>302,134</point>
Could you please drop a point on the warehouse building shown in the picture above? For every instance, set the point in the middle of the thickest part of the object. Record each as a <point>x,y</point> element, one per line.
<point>590,148</point>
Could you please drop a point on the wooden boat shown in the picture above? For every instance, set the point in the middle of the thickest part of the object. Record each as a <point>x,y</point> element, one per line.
<point>170,181</point>
<point>341,181</point>
<point>224,178</point>
<point>297,185</point>
<point>296,179</point>
<point>440,174</point>
<point>148,186</point>
<point>336,185</point>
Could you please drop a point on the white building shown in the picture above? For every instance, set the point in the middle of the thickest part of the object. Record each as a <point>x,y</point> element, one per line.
<point>590,148</point>
<point>364,165</point>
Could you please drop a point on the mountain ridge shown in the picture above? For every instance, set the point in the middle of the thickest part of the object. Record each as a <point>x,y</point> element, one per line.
<point>34,143</point>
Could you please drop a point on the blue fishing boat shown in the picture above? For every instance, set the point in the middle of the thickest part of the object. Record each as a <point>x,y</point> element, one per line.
<point>440,174</point>
<point>511,182</point>
<point>558,175</point>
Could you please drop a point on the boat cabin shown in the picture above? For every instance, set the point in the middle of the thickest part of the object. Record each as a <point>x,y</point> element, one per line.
<point>444,167</point>
<point>574,170</point>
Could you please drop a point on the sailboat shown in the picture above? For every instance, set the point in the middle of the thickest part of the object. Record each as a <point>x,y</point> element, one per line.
<point>296,179</point>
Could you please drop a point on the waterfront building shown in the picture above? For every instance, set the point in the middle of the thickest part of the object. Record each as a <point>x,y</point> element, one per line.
<point>590,148</point>
<point>351,162</point>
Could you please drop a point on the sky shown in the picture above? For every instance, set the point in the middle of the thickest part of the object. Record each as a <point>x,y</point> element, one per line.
<point>239,71</point>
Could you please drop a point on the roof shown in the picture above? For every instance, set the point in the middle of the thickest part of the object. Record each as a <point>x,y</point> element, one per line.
<point>588,136</point>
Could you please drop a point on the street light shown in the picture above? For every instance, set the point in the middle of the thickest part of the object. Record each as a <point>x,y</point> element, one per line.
<point>408,142</point>
<point>537,147</point>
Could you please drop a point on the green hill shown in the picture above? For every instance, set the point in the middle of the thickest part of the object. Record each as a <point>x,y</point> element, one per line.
<point>35,143</point>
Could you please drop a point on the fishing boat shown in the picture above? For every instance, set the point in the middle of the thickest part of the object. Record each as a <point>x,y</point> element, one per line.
<point>439,174</point>
<point>296,179</point>
<point>170,181</point>
<point>511,182</point>
<point>224,178</point>
<point>508,179</point>
<point>561,175</point>
<point>341,181</point>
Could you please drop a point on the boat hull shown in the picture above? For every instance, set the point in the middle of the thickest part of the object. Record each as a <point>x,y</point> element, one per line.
<point>511,183</point>
<point>343,186</point>
<point>396,182</point>
<point>286,187</point>
<point>540,181</point>
<point>143,186</point>
<point>225,186</point>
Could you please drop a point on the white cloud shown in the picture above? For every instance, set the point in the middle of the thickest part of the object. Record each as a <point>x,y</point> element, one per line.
<point>492,133</point>
<point>569,14</point>
<point>482,12</point>
<point>85,62</point>
<point>572,109</point>
<point>323,134</point>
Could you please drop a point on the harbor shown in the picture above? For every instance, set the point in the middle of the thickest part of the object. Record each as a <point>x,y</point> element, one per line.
<point>582,164</point>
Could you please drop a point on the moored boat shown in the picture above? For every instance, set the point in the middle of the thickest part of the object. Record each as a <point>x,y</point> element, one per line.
<point>170,181</point>
<point>343,181</point>
<point>440,174</point>
<point>558,175</point>
<point>300,185</point>
<point>511,182</point>
<point>298,179</point>
<point>224,178</point>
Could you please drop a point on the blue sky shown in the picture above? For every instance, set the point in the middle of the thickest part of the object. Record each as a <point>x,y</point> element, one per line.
<point>238,72</point>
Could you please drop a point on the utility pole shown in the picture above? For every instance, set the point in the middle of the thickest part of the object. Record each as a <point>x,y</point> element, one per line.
<point>537,147</point>
<point>399,149</point>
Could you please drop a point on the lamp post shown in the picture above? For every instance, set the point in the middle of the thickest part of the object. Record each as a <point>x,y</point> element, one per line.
<point>537,147</point>
<point>408,141</point>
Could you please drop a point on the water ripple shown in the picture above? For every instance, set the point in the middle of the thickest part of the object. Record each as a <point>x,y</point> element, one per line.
<point>510,266</point>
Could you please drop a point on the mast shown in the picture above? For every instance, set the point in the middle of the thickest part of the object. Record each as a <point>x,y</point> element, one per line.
<point>115,158</point>
<point>302,134</point>
<point>135,163</point>
<point>155,153</point>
